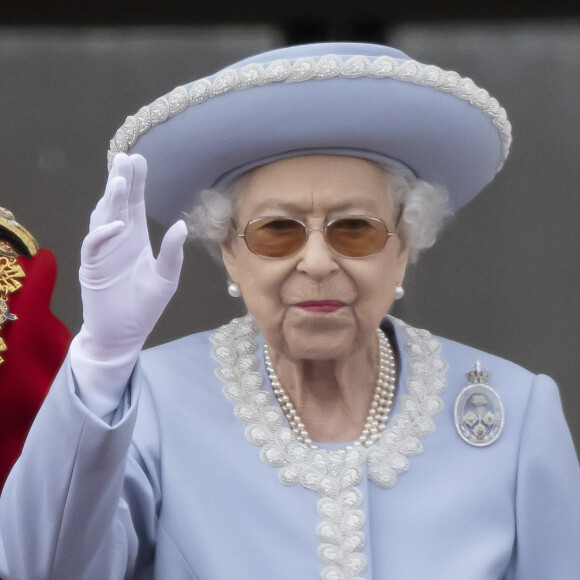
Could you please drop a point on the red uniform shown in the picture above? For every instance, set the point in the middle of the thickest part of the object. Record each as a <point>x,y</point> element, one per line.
<point>33,344</point>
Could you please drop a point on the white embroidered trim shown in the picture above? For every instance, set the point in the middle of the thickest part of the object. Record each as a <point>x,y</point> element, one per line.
<point>332,474</point>
<point>309,69</point>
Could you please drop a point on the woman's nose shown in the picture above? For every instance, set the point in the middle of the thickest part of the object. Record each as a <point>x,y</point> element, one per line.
<point>316,258</point>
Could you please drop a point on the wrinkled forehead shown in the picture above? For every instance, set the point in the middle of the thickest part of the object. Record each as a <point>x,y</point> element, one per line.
<point>314,184</point>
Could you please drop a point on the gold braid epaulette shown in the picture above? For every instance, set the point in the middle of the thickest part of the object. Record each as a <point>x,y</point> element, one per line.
<point>15,241</point>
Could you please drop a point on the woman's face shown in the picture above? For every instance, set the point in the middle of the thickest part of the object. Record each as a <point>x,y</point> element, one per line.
<point>316,304</point>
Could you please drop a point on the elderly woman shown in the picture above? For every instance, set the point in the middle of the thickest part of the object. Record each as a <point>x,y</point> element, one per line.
<point>316,436</point>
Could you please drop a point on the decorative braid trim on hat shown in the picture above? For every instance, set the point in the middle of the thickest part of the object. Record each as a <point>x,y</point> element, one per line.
<point>310,69</point>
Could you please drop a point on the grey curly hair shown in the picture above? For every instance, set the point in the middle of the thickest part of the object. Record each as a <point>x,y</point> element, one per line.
<point>425,209</point>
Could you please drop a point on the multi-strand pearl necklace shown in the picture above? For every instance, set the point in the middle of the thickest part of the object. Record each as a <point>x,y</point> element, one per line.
<point>381,403</point>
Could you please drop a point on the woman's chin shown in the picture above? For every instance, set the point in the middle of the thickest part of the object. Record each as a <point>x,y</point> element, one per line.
<point>319,337</point>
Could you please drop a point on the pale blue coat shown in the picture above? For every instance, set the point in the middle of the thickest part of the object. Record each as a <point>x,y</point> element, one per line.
<point>194,499</point>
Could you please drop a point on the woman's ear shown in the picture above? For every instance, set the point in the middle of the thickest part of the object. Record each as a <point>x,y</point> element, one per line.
<point>402,258</point>
<point>229,257</point>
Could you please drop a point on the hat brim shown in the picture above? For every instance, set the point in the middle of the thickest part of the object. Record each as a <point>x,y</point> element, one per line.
<point>445,129</point>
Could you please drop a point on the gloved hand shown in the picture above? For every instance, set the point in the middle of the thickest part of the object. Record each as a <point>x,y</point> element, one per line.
<point>124,288</point>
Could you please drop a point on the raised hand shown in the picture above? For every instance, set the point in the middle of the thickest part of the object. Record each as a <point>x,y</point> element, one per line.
<point>124,287</point>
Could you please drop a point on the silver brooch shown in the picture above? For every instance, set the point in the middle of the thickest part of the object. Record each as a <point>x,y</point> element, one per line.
<point>479,414</point>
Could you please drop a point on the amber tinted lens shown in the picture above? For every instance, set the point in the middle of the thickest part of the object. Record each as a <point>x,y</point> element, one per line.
<point>356,237</point>
<point>275,237</point>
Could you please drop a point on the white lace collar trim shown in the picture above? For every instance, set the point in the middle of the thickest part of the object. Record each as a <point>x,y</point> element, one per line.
<point>334,474</point>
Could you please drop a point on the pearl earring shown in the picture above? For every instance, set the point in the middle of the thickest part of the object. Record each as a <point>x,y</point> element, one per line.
<point>234,290</point>
<point>399,292</point>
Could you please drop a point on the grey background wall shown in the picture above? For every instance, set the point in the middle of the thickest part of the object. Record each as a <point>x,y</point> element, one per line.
<point>506,272</point>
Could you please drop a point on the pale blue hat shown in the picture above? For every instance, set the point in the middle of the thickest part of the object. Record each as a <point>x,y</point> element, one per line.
<point>363,100</point>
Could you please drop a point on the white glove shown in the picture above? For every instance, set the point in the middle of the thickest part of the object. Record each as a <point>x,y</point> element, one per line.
<point>124,288</point>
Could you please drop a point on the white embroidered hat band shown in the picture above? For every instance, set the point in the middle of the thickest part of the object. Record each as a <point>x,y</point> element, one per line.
<point>364,100</point>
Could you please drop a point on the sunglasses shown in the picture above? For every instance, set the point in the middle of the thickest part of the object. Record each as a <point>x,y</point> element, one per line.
<point>353,236</point>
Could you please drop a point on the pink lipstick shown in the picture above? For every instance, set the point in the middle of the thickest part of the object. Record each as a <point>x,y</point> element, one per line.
<point>323,306</point>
